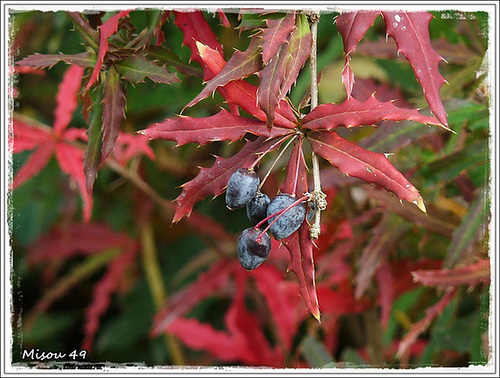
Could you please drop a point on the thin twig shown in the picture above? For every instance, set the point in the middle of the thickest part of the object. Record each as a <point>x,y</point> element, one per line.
<point>318,196</point>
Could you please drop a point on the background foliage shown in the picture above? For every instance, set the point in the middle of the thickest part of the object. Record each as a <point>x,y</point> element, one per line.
<point>384,297</point>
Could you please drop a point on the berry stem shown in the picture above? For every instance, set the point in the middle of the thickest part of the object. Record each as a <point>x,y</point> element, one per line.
<point>279,141</point>
<point>276,161</point>
<point>277,214</point>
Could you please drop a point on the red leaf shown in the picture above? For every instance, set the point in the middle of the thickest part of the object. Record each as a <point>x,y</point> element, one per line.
<point>284,308</point>
<point>195,28</point>
<point>183,301</point>
<point>223,18</point>
<point>84,59</point>
<point>244,94</point>
<point>416,329</point>
<point>213,180</point>
<point>34,164</point>
<point>239,66</point>
<point>296,173</point>
<point>106,30</point>
<point>410,30</point>
<point>76,239</point>
<point>369,166</point>
<point>353,26</point>
<point>299,51</point>
<point>128,146</point>
<point>113,107</point>
<point>340,301</point>
<point>242,341</point>
<point>471,275</point>
<point>352,112</point>
<point>300,246</point>
<point>275,35</point>
<point>221,126</point>
<point>70,159</point>
<point>103,290</point>
<point>28,136</point>
<point>67,98</point>
<point>271,77</point>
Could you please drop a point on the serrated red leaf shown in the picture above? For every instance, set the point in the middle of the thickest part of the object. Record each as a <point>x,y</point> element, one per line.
<point>84,59</point>
<point>353,26</point>
<point>470,275</point>
<point>271,77</point>
<point>106,30</point>
<point>74,239</point>
<point>213,180</point>
<point>66,98</point>
<point>352,113</point>
<point>244,94</point>
<point>410,30</point>
<point>195,28</point>
<point>369,166</point>
<point>239,66</point>
<point>113,108</point>
<point>299,50</point>
<point>103,290</point>
<point>70,159</point>
<point>221,126</point>
<point>34,164</point>
<point>275,35</point>
<point>300,246</point>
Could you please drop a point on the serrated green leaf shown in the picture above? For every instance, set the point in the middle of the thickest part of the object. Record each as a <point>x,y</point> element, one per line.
<point>84,59</point>
<point>113,111</point>
<point>135,69</point>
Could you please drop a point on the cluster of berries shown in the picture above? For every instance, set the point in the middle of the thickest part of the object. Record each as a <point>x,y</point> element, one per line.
<point>281,217</point>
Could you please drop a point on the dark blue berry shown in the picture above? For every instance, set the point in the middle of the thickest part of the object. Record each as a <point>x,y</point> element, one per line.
<point>257,208</point>
<point>289,221</point>
<point>241,188</point>
<point>252,253</point>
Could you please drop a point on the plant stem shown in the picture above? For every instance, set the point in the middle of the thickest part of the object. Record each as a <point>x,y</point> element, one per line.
<point>157,286</point>
<point>318,196</point>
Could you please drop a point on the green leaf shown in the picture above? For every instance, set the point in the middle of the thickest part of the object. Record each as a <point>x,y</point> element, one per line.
<point>315,353</point>
<point>113,111</point>
<point>89,35</point>
<point>449,167</point>
<point>93,152</point>
<point>470,230</point>
<point>84,59</point>
<point>166,56</point>
<point>135,69</point>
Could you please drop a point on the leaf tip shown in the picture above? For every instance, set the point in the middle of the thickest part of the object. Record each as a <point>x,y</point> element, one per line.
<point>420,204</point>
